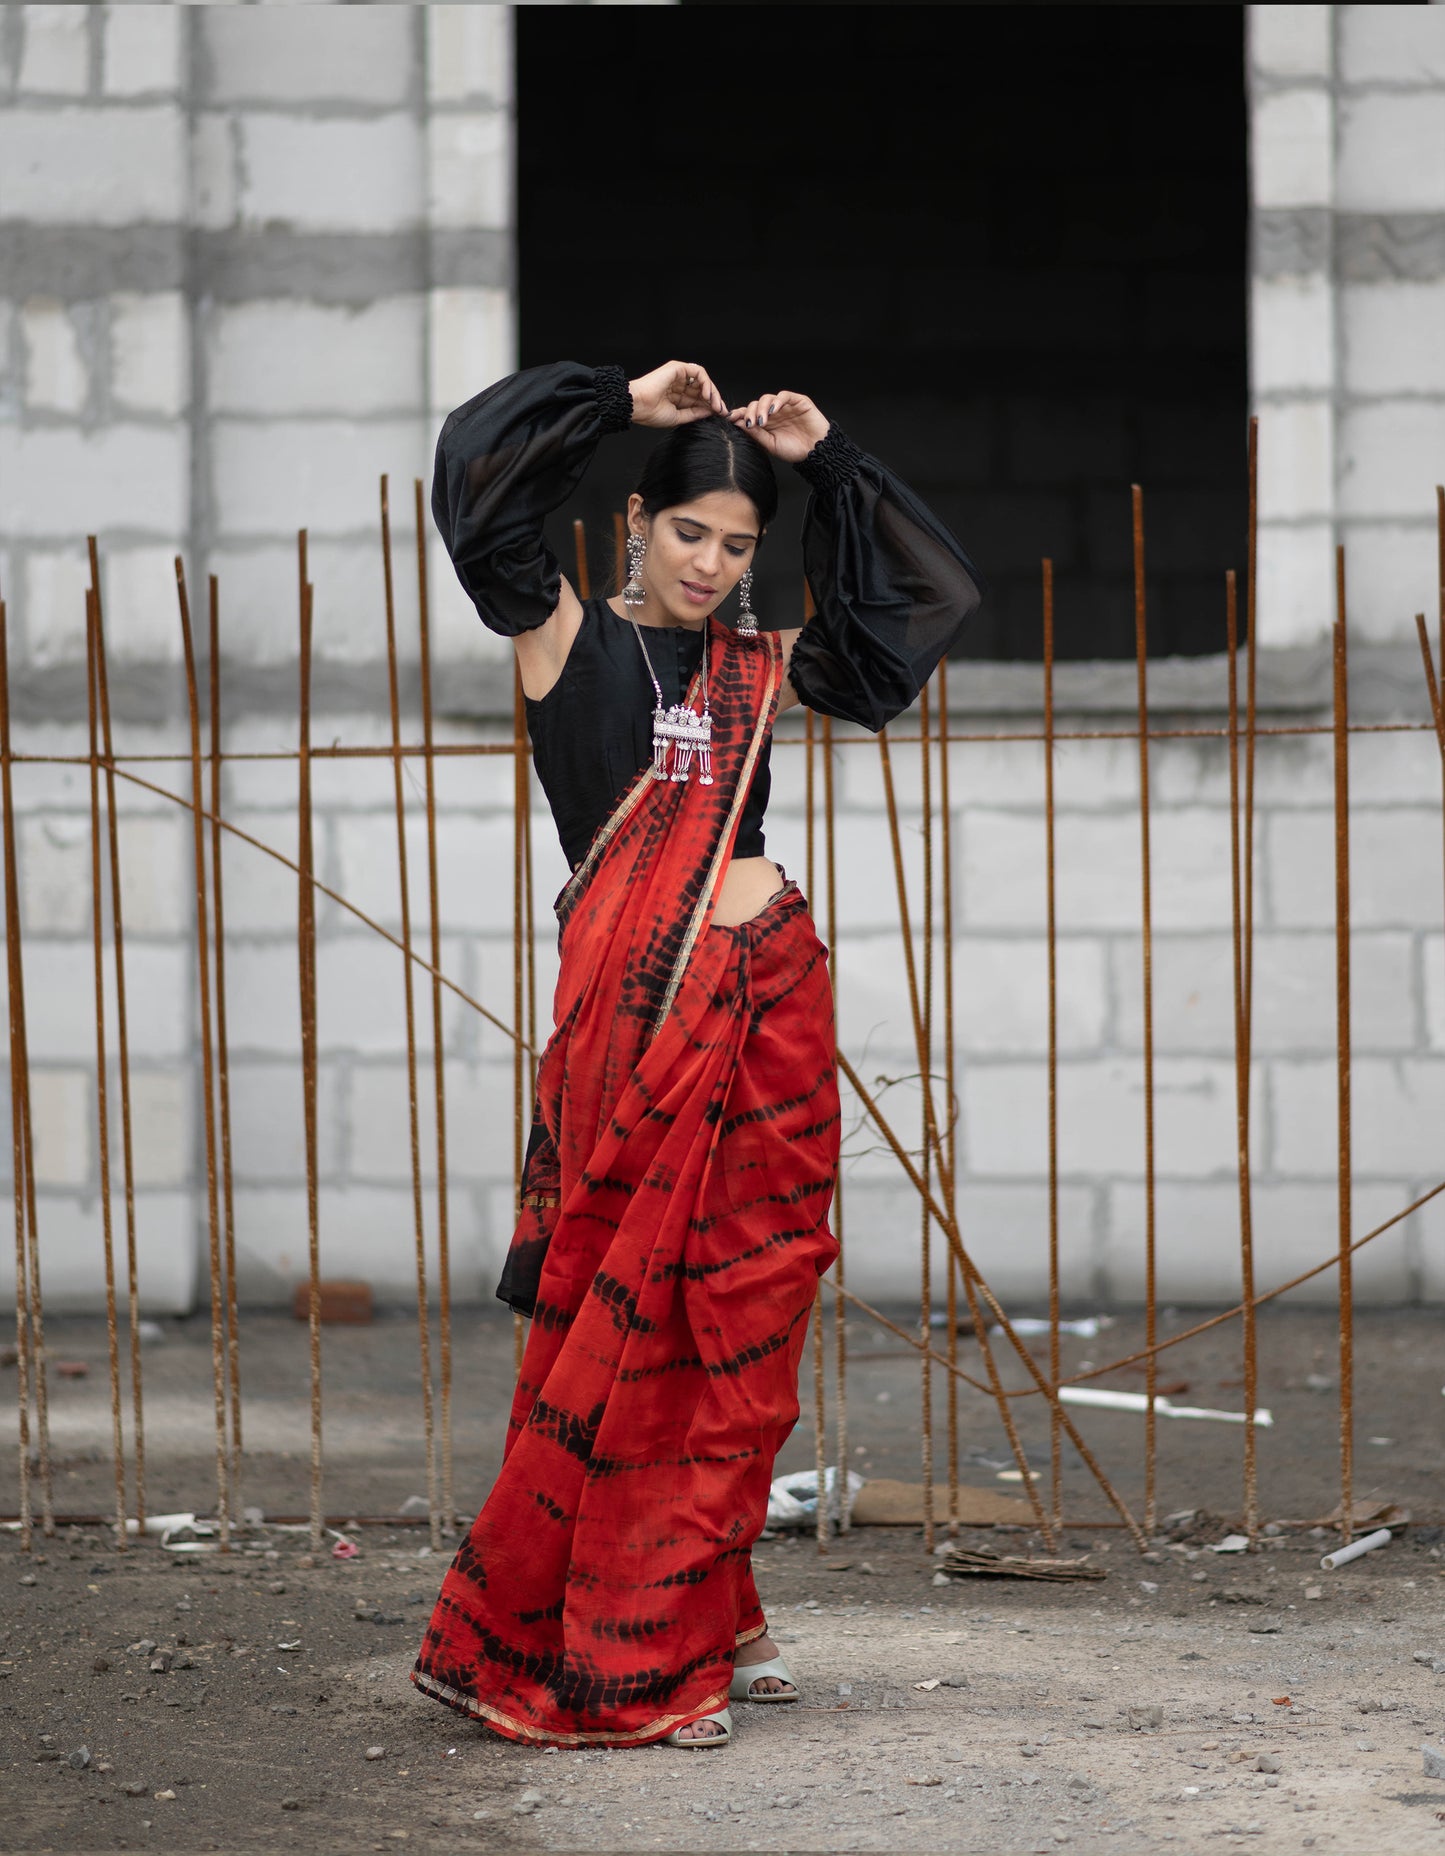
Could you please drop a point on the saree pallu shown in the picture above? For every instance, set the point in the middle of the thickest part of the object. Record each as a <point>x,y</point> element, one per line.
<point>673,1229</point>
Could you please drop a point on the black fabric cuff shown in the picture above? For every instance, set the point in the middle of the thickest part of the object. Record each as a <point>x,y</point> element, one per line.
<point>614,399</point>
<point>833,461</point>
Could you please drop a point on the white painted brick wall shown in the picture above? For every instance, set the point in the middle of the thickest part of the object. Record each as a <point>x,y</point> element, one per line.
<point>1292,334</point>
<point>1296,461</point>
<point>1395,878</point>
<point>54,869</point>
<point>1398,1109</point>
<point>150,353</point>
<point>214,175</point>
<point>1292,148</point>
<point>1392,573</point>
<point>1390,453</point>
<point>1391,152</point>
<point>142,617</point>
<point>73,1256</point>
<point>165,1110</point>
<point>1296,583</point>
<point>469,170</point>
<point>276,475</point>
<point>469,54</point>
<point>1391,337</point>
<point>1291,43</point>
<point>62,1110</point>
<point>124,476</point>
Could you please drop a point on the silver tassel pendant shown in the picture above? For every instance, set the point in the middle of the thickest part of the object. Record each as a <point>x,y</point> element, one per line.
<point>679,735</point>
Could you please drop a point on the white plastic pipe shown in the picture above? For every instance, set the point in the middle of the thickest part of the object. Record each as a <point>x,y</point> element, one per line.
<point>1343,1555</point>
<point>1104,1400</point>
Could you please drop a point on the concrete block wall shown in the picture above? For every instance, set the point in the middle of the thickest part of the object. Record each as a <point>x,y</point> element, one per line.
<point>1347,305</point>
<point>253,259</point>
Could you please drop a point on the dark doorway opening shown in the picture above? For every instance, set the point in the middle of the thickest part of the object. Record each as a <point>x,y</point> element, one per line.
<point>1003,247</point>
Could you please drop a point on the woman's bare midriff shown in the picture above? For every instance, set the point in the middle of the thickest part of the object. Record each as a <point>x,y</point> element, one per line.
<point>748,886</point>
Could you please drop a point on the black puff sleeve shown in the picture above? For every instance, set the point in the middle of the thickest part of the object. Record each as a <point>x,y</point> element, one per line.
<point>504,461</point>
<point>892,587</point>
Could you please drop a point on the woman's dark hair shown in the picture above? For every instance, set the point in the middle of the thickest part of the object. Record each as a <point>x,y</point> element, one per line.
<point>710,454</point>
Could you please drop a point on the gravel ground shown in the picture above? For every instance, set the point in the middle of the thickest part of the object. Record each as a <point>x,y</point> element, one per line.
<point>286,1675</point>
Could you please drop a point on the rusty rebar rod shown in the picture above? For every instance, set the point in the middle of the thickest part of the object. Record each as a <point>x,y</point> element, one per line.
<point>223,1049</point>
<point>439,1068</point>
<point>122,1028</point>
<point>840,1329</point>
<point>102,1077</point>
<point>1146,909</point>
<point>950,1069</point>
<point>306,977</point>
<point>1056,1449</point>
<point>18,1082</point>
<point>520,772</point>
<point>1342,1050</point>
<point>423,1315</point>
<point>1242,1055</point>
<point>208,1089</point>
<point>925,1246</point>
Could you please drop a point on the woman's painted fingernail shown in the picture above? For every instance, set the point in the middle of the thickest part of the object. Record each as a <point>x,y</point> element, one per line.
<point>747,421</point>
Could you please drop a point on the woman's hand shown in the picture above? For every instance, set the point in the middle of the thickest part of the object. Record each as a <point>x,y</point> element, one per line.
<point>676,393</point>
<point>786,425</point>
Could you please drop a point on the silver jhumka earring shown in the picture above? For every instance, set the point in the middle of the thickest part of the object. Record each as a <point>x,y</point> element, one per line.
<point>634,593</point>
<point>747,625</point>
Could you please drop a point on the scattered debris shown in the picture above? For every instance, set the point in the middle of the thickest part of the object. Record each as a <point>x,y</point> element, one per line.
<point>344,1549</point>
<point>1105,1400</point>
<point>79,1759</point>
<point>1343,1555</point>
<point>376,1752</point>
<point>932,1683</point>
<point>1434,1761</point>
<point>793,1500</point>
<point>135,1788</point>
<point>1232,1543</point>
<point>1147,1719</point>
<point>72,1369</point>
<point>528,1802</point>
<point>1266,1763</point>
<point>962,1561</point>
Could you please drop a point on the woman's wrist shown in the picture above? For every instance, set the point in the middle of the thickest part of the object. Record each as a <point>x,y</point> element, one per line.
<point>614,398</point>
<point>833,461</point>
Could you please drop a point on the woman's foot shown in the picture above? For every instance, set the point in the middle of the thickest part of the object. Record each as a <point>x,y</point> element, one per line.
<point>762,1650</point>
<point>700,1730</point>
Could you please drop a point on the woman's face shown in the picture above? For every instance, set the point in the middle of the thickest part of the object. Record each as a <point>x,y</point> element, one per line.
<point>696,553</point>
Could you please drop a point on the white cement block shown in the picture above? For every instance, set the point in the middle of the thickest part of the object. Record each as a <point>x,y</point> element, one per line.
<point>56,376</point>
<point>1296,586</point>
<point>150,353</point>
<point>1004,1229</point>
<point>469,53</point>
<point>263,999</point>
<point>157,874</point>
<point>55,57</point>
<point>62,1120</point>
<point>1291,41</point>
<point>142,50</point>
<point>867,895</point>
<point>469,170</point>
<point>331,174</point>
<point>142,623</point>
<point>309,54</point>
<point>365,1232</point>
<point>360,997</point>
<point>1390,452</point>
<point>291,358</point>
<point>1291,148</point>
<point>1432,954</point>
<point>93,165</point>
<point>55,874</point>
<point>1002,872</point>
<point>122,476</point>
<point>479,1122</point>
<point>475,863</point>
<point>215,182</point>
<point>73,1257</point>
<point>268,1129</point>
<point>259,616</point>
<point>165,1108</point>
<point>1387,768</point>
<point>1294,1228</point>
<point>1292,335</point>
<point>259,893</point>
<point>1391,568</point>
<point>1001,995</point>
<point>1397,1105</point>
<point>1392,152</point>
<point>472,341</point>
<point>1296,460</point>
<point>60,1000</point>
<point>1101,1119</point>
<point>1392,336</point>
<point>54,607</point>
<point>277,475</point>
<point>1391,45</point>
<point>1294,993</point>
<point>1395,879</point>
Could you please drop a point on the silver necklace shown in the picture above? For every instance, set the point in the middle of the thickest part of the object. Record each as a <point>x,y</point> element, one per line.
<point>680,732</point>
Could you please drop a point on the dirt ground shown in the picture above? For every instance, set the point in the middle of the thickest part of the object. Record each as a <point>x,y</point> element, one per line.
<point>1292,1703</point>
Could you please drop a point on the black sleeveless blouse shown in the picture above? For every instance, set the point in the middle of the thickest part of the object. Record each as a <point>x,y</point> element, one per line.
<point>891,586</point>
<point>593,729</point>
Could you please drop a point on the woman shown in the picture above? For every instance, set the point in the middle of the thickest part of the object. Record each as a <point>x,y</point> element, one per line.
<point>674,1216</point>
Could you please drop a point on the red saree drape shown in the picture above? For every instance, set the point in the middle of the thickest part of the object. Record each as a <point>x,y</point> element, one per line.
<point>674,1225</point>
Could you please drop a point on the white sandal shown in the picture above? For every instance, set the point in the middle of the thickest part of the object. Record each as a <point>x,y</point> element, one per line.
<point>722,1719</point>
<point>745,1674</point>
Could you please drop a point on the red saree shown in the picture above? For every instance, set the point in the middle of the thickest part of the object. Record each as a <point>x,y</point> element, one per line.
<point>673,1228</point>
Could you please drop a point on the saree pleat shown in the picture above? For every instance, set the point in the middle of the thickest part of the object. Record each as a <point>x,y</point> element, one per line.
<point>673,1228</point>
